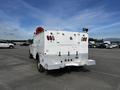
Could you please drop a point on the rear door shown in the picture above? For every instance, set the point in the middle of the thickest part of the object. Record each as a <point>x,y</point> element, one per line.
<point>67,42</point>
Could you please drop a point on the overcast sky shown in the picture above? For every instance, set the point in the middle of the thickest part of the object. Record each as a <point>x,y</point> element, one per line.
<point>19,18</point>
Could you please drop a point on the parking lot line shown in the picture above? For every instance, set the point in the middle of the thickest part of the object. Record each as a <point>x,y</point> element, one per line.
<point>109,74</point>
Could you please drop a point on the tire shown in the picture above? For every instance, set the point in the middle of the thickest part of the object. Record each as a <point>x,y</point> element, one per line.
<point>40,68</point>
<point>30,55</point>
<point>11,47</point>
<point>81,67</point>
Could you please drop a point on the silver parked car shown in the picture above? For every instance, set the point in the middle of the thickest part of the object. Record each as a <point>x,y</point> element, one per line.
<point>4,44</point>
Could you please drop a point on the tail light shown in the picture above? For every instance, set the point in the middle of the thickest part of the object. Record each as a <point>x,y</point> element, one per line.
<point>53,38</point>
<point>48,38</point>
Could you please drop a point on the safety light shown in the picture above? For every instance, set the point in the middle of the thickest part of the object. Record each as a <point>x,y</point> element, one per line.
<point>39,30</point>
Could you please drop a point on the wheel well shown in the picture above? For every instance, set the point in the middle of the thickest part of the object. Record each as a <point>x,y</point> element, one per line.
<point>11,46</point>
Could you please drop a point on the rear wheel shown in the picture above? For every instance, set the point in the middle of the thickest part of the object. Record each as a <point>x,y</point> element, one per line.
<point>40,68</point>
<point>11,46</point>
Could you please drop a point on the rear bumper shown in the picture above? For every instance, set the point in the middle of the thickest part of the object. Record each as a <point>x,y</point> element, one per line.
<point>62,65</point>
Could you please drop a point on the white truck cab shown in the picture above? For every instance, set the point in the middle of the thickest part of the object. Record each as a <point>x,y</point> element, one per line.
<point>59,49</point>
<point>4,44</point>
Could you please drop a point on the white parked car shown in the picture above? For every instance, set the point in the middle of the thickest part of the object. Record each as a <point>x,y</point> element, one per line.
<point>114,45</point>
<point>4,44</point>
<point>110,46</point>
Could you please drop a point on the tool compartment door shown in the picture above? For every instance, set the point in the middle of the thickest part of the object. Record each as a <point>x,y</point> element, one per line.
<point>83,47</point>
<point>67,42</point>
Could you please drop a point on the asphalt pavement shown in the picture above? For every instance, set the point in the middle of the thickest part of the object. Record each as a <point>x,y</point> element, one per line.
<point>18,72</point>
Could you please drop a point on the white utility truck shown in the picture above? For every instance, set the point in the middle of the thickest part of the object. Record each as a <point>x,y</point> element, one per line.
<point>59,49</point>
